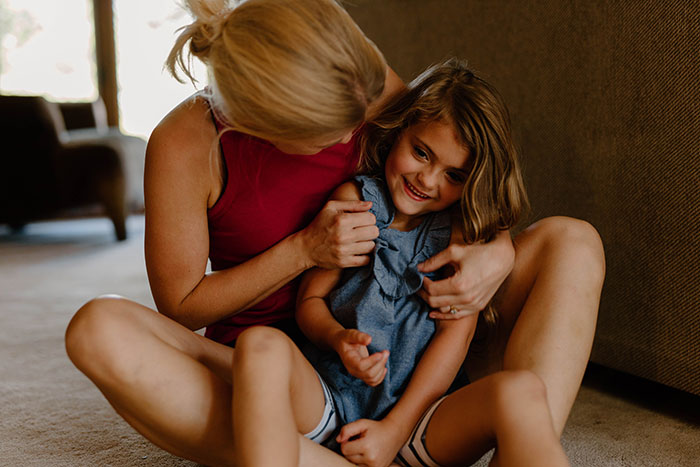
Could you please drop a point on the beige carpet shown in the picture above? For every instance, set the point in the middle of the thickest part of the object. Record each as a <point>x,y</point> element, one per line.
<point>50,414</point>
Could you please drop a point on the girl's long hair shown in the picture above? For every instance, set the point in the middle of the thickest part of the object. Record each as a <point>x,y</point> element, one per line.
<point>494,195</point>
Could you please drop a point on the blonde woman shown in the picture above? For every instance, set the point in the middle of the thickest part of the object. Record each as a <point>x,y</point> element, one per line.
<point>240,175</point>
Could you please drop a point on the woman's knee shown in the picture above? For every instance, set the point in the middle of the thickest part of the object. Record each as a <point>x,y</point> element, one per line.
<point>93,327</point>
<point>573,240</point>
<point>516,389</point>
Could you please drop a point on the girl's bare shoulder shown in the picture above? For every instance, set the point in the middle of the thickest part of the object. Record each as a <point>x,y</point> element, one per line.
<point>348,191</point>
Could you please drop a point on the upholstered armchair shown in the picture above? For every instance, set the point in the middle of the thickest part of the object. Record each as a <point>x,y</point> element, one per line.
<point>46,169</point>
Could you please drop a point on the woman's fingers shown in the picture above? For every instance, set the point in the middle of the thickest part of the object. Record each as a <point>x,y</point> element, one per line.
<point>436,262</point>
<point>364,233</point>
<point>445,313</point>
<point>349,206</point>
<point>359,248</point>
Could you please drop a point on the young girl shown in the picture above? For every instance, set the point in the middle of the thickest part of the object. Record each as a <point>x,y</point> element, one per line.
<point>378,356</point>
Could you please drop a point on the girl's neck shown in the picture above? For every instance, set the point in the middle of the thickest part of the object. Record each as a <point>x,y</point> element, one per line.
<point>404,222</point>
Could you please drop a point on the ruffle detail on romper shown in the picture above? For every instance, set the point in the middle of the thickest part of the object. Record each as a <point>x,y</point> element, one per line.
<point>397,275</point>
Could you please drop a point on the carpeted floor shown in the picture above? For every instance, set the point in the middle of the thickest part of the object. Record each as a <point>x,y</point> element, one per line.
<point>51,415</point>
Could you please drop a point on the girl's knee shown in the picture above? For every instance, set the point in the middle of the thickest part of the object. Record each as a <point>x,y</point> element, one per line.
<point>260,342</point>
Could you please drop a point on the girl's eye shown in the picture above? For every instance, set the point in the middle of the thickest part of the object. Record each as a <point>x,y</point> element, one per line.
<point>455,177</point>
<point>420,154</point>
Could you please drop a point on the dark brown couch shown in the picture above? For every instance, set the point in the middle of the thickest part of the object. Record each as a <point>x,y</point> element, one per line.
<point>605,103</point>
<point>46,169</point>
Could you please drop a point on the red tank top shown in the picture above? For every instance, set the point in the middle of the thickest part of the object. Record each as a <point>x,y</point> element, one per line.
<point>268,195</point>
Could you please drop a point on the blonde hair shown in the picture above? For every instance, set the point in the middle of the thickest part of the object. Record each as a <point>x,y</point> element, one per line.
<point>282,69</point>
<point>493,196</point>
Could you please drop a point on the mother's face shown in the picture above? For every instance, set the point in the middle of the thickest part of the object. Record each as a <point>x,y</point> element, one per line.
<point>307,147</point>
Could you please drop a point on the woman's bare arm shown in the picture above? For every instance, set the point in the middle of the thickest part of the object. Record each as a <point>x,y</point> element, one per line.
<point>182,180</point>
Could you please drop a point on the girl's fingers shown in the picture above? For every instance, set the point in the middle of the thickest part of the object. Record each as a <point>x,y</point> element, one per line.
<point>359,337</point>
<point>351,429</point>
<point>368,362</point>
<point>375,374</point>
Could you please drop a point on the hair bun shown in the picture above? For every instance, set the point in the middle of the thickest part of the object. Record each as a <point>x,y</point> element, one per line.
<point>202,36</point>
<point>210,20</point>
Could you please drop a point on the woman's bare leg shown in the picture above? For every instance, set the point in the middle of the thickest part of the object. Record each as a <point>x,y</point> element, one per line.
<point>277,395</point>
<point>548,308</point>
<point>507,410</point>
<point>166,381</point>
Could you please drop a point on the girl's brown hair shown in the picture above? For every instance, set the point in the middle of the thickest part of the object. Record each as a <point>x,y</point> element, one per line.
<point>494,195</point>
<point>282,69</point>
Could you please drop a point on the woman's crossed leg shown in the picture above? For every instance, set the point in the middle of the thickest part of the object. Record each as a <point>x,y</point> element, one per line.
<point>508,411</point>
<point>171,384</point>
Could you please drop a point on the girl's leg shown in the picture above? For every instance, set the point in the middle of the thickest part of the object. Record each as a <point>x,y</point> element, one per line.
<point>277,395</point>
<point>507,410</point>
<point>548,308</point>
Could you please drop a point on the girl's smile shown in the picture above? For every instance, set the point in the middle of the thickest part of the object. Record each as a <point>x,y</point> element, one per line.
<point>414,192</point>
<point>425,171</point>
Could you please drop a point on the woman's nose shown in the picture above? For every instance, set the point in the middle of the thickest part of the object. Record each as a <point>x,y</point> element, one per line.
<point>347,138</point>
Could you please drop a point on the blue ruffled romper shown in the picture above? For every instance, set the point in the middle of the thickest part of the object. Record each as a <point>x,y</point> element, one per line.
<point>380,299</point>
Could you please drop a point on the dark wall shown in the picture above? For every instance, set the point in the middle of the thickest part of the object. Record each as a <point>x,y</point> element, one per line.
<point>605,104</point>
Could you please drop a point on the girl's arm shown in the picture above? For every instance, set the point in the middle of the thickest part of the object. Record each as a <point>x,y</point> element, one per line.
<point>378,442</point>
<point>323,330</point>
<point>183,178</point>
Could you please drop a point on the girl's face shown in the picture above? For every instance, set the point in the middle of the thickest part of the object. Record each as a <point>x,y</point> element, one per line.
<point>425,171</point>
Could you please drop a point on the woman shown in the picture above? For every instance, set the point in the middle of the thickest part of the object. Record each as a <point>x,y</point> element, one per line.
<point>293,78</point>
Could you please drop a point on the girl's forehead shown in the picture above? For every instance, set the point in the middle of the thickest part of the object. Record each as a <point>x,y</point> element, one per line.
<point>442,139</point>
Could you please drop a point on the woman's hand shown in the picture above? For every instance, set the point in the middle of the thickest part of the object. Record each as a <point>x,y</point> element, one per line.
<point>341,235</point>
<point>370,443</point>
<point>479,270</point>
<point>351,346</point>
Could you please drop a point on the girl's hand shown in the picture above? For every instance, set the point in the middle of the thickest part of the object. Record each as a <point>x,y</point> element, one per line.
<point>370,443</point>
<point>340,236</point>
<point>351,346</point>
<point>479,270</point>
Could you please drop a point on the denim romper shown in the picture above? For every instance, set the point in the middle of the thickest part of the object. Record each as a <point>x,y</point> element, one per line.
<point>380,299</point>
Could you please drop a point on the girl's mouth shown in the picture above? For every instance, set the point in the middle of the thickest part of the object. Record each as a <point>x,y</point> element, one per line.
<point>413,192</point>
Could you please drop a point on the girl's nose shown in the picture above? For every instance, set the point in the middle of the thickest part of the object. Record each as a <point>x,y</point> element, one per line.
<point>428,178</point>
